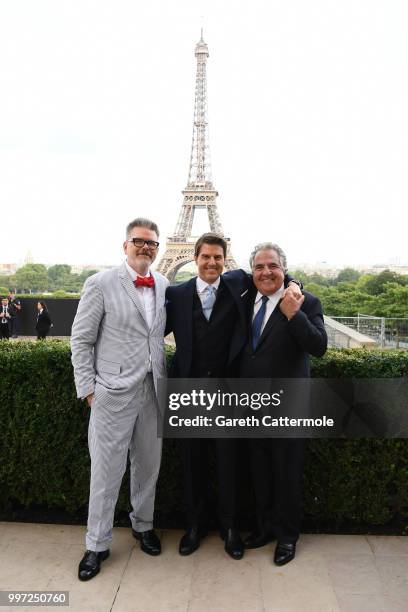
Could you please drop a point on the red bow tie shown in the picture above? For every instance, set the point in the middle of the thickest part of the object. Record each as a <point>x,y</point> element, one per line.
<point>144,281</point>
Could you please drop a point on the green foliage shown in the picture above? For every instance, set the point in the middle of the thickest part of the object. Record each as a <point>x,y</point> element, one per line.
<point>4,291</point>
<point>348,275</point>
<point>376,284</point>
<point>45,461</point>
<point>32,277</point>
<point>184,275</point>
<point>314,278</point>
<point>370,294</point>
<point>59,272</point>
<point>36,278</point>
<point>350,293</point>
<point>45,296</point>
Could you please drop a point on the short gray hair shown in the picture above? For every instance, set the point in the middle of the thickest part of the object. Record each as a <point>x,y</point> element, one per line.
<point>269,246</point>
<point>142,222</point>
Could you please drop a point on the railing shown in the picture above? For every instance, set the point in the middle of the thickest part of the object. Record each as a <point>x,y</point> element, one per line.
<point>388,332</point>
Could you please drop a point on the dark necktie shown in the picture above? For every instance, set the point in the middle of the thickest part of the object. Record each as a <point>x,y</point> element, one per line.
<point>257,322</point>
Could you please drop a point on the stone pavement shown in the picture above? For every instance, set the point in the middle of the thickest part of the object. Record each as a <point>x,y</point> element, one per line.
<point>330,573</point>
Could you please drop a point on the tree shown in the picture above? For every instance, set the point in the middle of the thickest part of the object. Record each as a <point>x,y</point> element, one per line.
<point>347,275</point>
<point>316,278</point>
<point>86,274</point>
<point>376,284</point>
<point>392,302</point>
<point>32,277</point>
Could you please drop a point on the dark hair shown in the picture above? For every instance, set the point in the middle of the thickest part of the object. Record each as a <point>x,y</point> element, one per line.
<point>43,305</point>
<point>141,222</point>
<point>210,238</point>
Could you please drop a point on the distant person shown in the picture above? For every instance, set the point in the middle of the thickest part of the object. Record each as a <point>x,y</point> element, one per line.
<point>44,323</point>
<point>5,320</point>
<point>15,309</point>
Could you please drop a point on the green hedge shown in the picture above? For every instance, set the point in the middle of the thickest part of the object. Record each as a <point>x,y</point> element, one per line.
<point>45,463</point>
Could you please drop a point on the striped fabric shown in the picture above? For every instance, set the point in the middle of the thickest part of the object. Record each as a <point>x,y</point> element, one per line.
<point>112,346</point>
<point>111,341</point>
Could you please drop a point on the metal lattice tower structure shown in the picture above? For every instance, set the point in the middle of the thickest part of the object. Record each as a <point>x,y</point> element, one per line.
<point>199,192</point>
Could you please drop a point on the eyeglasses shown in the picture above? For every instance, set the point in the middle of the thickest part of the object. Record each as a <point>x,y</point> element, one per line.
<point>139,243</point>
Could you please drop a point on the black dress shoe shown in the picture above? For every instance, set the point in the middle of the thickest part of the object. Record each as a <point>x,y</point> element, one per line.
<point>233,543</point>
<point>256,539</point>
<point>91,564</point>
<point>149,542</point>
<point>284,553</point>
<point>191,540</point>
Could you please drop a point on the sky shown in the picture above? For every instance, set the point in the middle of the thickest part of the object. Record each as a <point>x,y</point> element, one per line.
<point>307,105</point>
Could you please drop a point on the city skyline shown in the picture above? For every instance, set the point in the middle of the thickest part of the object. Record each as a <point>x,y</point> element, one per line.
<point>307,116</point>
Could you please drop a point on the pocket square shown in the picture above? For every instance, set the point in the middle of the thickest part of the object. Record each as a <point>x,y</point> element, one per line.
<point>245,292</point>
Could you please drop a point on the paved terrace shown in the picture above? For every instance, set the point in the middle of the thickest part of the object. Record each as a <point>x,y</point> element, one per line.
<point>330,573</point>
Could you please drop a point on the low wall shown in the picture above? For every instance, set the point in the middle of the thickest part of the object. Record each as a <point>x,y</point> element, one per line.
<point>62,312</point>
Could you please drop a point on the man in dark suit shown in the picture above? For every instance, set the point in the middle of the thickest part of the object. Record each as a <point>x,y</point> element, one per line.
<point>284,330</point>
<point>5,318</point>
<point>208,316</point>
<point>15,310</point>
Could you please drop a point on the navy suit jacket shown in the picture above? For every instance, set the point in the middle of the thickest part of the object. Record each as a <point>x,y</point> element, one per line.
<point>284,346</point>
<point>179,305</point>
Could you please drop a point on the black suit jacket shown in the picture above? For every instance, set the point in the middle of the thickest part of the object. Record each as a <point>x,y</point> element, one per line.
<point>284,346</point>
<point>179,305</point>
<point>43,322</point>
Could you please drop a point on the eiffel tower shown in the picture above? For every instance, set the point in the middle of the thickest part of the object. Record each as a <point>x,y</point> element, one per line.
<point>200,192</point>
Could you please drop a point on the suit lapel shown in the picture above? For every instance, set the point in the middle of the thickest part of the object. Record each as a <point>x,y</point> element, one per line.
<point>239,298</point>
<point>130,289</point>
<point>188,306</point>
<point>159,290</point>
<point>274,319</point>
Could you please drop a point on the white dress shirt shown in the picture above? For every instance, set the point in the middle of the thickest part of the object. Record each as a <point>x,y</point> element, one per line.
<point>147,294</point>
<point>202,288</point>
<point>270,305</point>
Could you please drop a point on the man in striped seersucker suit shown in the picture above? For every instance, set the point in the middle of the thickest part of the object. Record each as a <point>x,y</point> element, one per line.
<point>118,355</point>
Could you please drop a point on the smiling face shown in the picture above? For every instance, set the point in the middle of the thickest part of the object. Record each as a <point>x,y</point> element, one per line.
<point>140,258</point>
<point>210,262</point>
<point>267,272</point>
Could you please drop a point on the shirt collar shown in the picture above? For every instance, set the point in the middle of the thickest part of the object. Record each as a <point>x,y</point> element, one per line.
<point>133,274</point>
<point>275,297</point>
<point>202,285</point>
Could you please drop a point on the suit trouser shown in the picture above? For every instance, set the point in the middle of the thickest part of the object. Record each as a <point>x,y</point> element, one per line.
<point>196,479</point>
<point>4,331</point>
<point>14,326</point>
<point>110,436</point>
<point>277,476</point>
